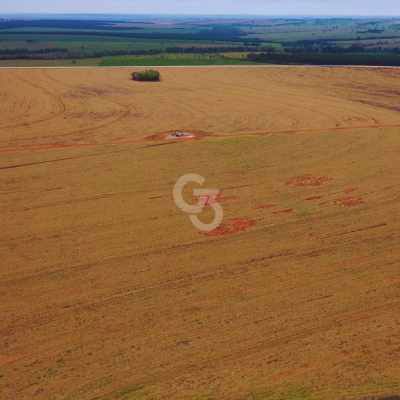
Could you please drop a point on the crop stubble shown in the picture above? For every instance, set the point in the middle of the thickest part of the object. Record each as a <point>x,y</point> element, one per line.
<point>108,290</point>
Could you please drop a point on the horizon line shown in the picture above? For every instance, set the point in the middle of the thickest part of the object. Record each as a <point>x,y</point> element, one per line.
<point>301,16</point>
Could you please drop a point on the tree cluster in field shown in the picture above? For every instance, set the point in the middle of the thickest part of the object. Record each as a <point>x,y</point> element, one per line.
<point>147,75</point>
<point>325,59</point>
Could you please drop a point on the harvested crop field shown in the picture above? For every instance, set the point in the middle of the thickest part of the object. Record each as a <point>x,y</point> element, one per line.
<point>108,291</point>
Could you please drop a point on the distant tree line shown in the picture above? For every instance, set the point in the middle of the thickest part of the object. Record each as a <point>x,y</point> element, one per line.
<point>369,23</point>
<point>372,31</point>
<point>222,49</point>
<point>313,42</point>
<point>290,54</point>
<point>64,24</point>
<point>17,51</point>
<point>354,48</point>
<point>325,59</point>
<point>224,35</point>
<point>59,53</point>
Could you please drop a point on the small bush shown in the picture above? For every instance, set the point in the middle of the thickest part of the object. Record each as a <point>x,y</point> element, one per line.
<point>148,75</point>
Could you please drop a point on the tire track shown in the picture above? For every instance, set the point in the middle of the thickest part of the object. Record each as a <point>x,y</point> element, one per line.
<point>194,114</point>
<point>129,109</point>
<point>238,93</point>
<point>62,111</point>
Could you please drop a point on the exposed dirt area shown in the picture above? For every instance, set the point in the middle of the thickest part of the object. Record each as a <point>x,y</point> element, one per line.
<point>109,292</point>
<point>392,279</point>
<point>349,201</point>
<point>167,135</point>
<point>307,180</point>
<point>186,136</point>
<point>350,190</point>
<point>232,226</point>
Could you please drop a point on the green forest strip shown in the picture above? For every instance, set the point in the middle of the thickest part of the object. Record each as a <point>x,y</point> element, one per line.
<point>173,61</point>
<point>222,36</point>
<point>59,53</point>
<point>326,59</point>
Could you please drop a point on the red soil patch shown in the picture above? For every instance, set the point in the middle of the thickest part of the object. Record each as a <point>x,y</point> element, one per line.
<point>308,180</point>
<point>284,212</point>
<point>212,198</point>
<point>391,278</point>
<point>314,198</point>
<point>232,226</point>
<point>348,201</point>
<point>351,190</point>
<point>265,206</point>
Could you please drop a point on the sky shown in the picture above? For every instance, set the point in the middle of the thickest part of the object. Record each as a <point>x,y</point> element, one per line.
<point>225,7</point>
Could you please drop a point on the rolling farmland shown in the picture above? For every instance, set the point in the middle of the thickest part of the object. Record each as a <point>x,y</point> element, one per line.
<point>109,292</point>
<point>169,41</point>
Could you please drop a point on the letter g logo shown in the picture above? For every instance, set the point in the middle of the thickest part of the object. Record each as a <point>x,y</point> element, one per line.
<point>206,196</point>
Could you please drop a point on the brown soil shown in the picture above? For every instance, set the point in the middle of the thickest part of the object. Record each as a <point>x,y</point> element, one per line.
<point>265,206</point>
<point>284,212</point>
<point>107,289</point>
<point>348,201</point>
<point>212,198</point>
<point>392,279</point>
<point>314,198</point>
<point>232,226</point>
<point>307,180</point>
<point>351,190</point>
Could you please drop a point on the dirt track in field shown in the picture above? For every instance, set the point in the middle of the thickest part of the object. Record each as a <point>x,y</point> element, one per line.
<point>107,289</point>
